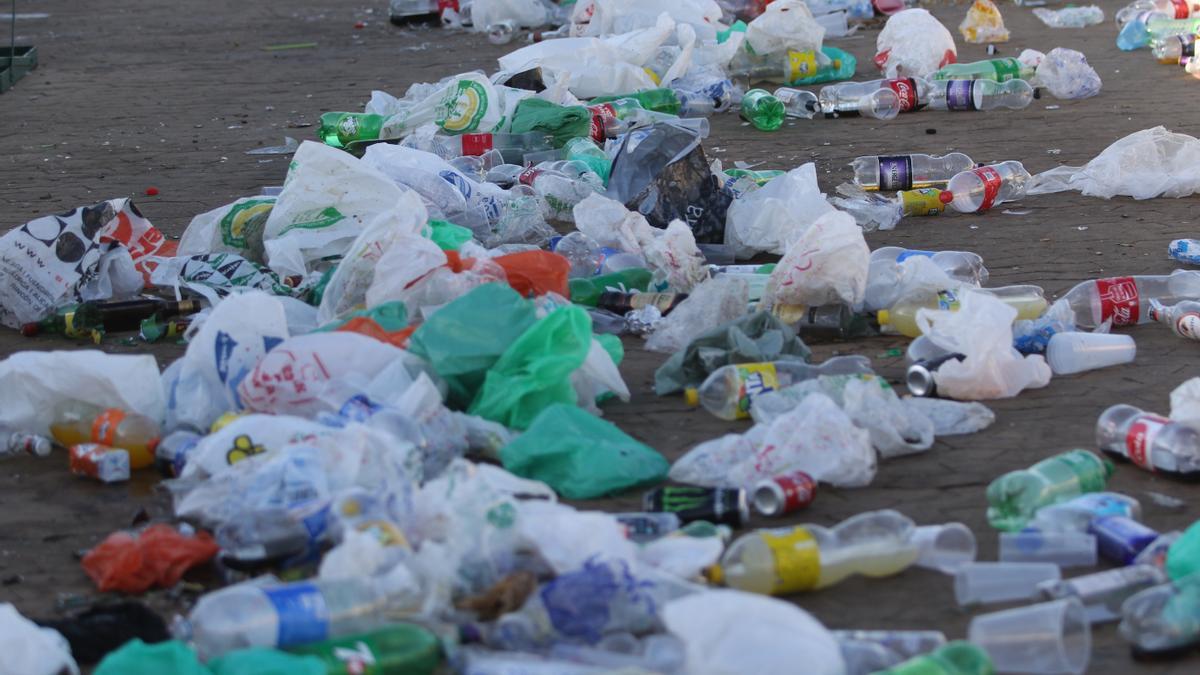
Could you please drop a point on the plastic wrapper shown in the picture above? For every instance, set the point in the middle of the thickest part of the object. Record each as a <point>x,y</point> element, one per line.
<point>983,24</point>
<point>828,264</point>
<point>716,301</point>
<point>913,44</point>
<point>156,556</point>
<point>785,25</point>
<point>771,217</point>
<point>1070,17</point>
<point>981,330</point>
<point>1145,164</point>
<point>1066,73</point>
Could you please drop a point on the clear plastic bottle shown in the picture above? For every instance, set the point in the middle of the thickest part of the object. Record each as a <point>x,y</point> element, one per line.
<point>1175,9</point>
<point>1182,317</point>
<point>1015,497</point>
<point>288,614</point>
<point>880,104</point>
<point>562,184</point>
<point>1029,301</point>
<point>21,443</point>
<point>763,110</point>
<point>1172,49</point>
<point>809,557</point>
<point>1146,27</point>
<point>1150,441</point>
<point>869,651</point>
<point>1104,592</point>
<point>981,95</point>
<point>1163,618</point>
<point>729,391</point>
<point>581,149</point>
<point>1076,515</point>
<point>798,102</point>
<point>912,93</point>
<point>905,172</point>
<point>1126,300</point>
<point>961,265</point>
<point>978,190</point>
<point>512,147</point>
<point>77,422</point>
<point>998,70</point>
<point>956,658</point>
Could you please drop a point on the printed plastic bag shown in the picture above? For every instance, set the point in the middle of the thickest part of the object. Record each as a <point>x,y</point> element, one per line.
<point>233,228</point>
<point>245,437</point>
<point>785,25</point>
<point>581,456</point>
<point>1145,164</point>
<point>716,301</point>
<point>983,24</point>
<point>769,218</point>
<point>156,556</point>
<point>465,103</point>
<point>981,330</point>
<point>827,265</point>
<point>216,275</point>
<point>913,44</point>
<point>674,258</point>
<point>1066,73</point>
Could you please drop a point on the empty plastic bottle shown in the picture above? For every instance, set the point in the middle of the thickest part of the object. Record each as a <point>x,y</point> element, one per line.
<point>905,172</point>
<point>1163,618</point>
<point>1173,49</point>
<point>562,184</point>
<point>21,443</point>
<point>396,648</point>
<point>980,95</point>
<point>292,614</point>
<point>762,110</point>
<point>1182,317</point>
<point>585,150</point>
<point>1126,300</point>
<point>912,93</point>
<point>513,147</point>
<point>798,102</point>
<point>1104,592</point>
<point>1015,497</point>
<point>340,129</point>
<point>1146,27</point>
<point>870,651</point>
<point>587,291</point>
<point>961,265</point>
<point>1175,9</point>
<point>808,557</point>
<point>880,104</point>
<point>999,70</point>
<point>1029,301</point>
<point>77,422</point>
<point>1077,514</point>
<point>978,190</point>
<point>955,658</point>
<point>1150,441</point>
<point>729,391</point>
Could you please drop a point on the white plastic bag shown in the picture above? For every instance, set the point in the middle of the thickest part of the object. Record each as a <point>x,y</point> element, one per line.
<point>597,376</point>
<point>30,649</point>
<point>951,418</point>
<point>328,198</point>
<point>1185,403</point>
<point>674,259</point>
<point>913,44</point>
<point>712,303</point>
<point>606,17</point>
<point>890,283</point>
<point>982,331</point>
<point>684,557</point>
<point>827,264</point>
<point>566,538</point>
<point>466,103</point>
<point>983,24</point>
<point>785,25</point>
<point>524,13</point>
<point>232,228</point>
<point>1066,73</point>
<point>116,277</point>
<point>1145,164</point>
<point>609,223</point>
<point>768,219</point>
<point>246,437</point>
<point>728,632</point>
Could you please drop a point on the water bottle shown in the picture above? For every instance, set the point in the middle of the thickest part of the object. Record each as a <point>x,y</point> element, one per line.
<point>1015,497</point>
<point>956,658</point>
<point>1146,27</point>
<point>905,172</point>
<point>513,147</point>
<point>881,104</point>
<point>998,70</point>
<point>808,557</point>
<point>912,93</point>
<point>1028,300</point>
<point>961,265</point>
<point>1173,49</point>
<point>1182,317</point>
<point>729,391</point>
<point>1104,592</point>
<point>21,443</point>
<point>981,95</point>
<point>1175,9</point>
<point>762,110</point>
<point>1126,300</point>
<point>1163,618</point>
<point>978,190</point>
<point>798,102</point>
<point>561,184</point>
<point>1150,441</point>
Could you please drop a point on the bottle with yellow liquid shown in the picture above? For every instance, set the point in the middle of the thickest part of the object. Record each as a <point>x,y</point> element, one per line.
<point>76,422</point>
<point>1028,300</point>
<point>809,557</point>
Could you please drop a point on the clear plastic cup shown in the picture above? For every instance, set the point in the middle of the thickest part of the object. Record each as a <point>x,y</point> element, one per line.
<point>1065,549</point>
<point>1047,638</point>
<point>983,583</point>
<point>1069,353</point>
<point>945,548</point>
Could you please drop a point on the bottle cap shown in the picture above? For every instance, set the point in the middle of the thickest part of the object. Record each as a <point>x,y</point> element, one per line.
<point>30,329</point>
<point>883,315</point>
<point>692,396</point>
<point>946,196</point>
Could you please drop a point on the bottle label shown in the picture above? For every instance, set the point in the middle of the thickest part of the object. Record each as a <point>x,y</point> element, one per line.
<point>991,186</point>
<point>476,144</point>
<point>598,129</point>
<point>663,301</point>
<point>1006,69</point>
<point>302,613</point>
<point>895,172</point>
<point>1118,300</point>
<point>947,300</point>
<point>603,109</point>
<point>799,489</point>
<point>1139,440</point>
<point>1188,325</point>
<point>104,427</point>
<point>960,94</point>
<point>464,107</point>
<point>797,560</point>
<point>69,328</point>
<point>756,380</point>
<point>906,91</point>
<point>1181,9</point>
<point>801,65</point>
<point>347,128</point>
<point>529,175</point>
<point>922,202</point>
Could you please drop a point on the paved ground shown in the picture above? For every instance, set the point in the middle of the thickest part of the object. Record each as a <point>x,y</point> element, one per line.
<point>133,94</point>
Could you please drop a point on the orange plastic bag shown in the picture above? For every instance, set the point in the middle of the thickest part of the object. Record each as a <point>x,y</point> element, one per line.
<point>536,272</point>
<point>371,328</point>
<point>158,556</point>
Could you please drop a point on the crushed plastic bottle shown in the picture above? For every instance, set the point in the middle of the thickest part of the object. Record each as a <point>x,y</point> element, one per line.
<point>729,391</point>
<point>912,93</point>
<point>978,190</point>
<point>1163,619</point>
<point>1015,497</point>
<point>1150,441</point>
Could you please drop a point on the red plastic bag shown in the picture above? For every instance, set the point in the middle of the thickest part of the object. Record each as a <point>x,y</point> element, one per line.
<point>159,555</point>
<point>536,272</point>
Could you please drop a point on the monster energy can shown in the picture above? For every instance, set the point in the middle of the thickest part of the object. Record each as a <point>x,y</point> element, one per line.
<point>720,506</point>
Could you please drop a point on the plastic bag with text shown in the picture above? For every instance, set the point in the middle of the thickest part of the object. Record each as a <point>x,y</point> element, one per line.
<point>913,44</point>
<point>828,264</point>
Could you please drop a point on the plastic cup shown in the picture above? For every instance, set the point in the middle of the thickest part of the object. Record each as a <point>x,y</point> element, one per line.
<point>944,548</point>
<point>982,583</point>
<point>1065,549</point>
<point>1069,353</point>
<point>1048,638</point>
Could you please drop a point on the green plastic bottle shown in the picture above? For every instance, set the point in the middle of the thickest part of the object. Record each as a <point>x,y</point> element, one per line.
<point>585,150</point>
<point>340,129</point>
<point>953,658</point>
<point>1015,497</point>
<point>398,648</point>
<point>763,110</point>
<point>1000,70</point>
<point>587,291</point>
<point>658,100</point>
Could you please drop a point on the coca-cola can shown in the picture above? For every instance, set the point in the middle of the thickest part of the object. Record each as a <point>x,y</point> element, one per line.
<point>784,493</point>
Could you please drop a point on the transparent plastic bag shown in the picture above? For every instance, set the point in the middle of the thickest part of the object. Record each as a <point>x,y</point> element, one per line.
<point>983,24</point>
<point>913,44</point>
<point>715,301</point>
<point>828,264</point>
<point>912,279</point>
<point>1145,164</point>
<point>1066,73</point>
<point>785,25</point>
<point>768,219</point>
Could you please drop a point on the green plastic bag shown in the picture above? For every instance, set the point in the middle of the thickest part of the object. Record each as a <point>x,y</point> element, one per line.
<point>581,456</point>
<point>1183,556</point>
<point>464,339</point>
<point>561,122</point>
<point>535,371</point>
<point>262,661</point>
<point>138,658</point>
<point>391,316</point>
<point>447,235</point>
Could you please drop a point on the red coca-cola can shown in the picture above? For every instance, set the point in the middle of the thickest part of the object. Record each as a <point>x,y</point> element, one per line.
<point>784,493</point>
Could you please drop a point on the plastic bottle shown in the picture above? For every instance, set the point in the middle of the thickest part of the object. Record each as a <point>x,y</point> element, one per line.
<point>1126,300</point>
<point>501,32</point>
<point>292,614</point>
<point>340,129</point>
<point>981,95</point>
<point>21,443</point>
<point>586,151</point>
<point>824,323</point>
<point>171,454</point>
<point>999,70</point>
<point>961,265</point>
<point>1029,302</point>
<point>1146,27</point>
<point>1076,515</point>
<point>912,93</point>
<point>1175,9</point>
<point>77,422</point>
<point>1163,618</point>
<point>1150,441</point>
<point>798,102</point>
<point>1104,592</point>
<point>870,651</point>
<point>809,557</point>
<point>513,147</point>
<point>262,538</point>
<point>587,291</point>
<point>562,184</point>
<point>648,525</point>
<point>978,190</point>
<point>1172,49</point>
<point>880,104</point>
<point>729,391</point>
<point>396,648</point>
<point>1182,317</point>
<point>658,100</point>
<point>905,172</point>
<point>1015,497</point>
<point>955,658</point>
<point>763,110</point>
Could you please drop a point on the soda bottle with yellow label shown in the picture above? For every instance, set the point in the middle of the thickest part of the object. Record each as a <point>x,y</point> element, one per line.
<point>730,390</point>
